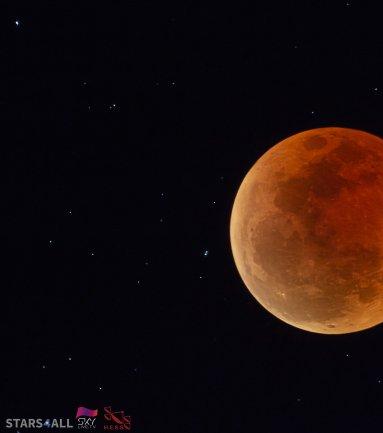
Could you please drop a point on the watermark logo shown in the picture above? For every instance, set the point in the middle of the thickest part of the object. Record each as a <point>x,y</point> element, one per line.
<point>31,423</point>
<point>116,420</point>
<point>86,418</point>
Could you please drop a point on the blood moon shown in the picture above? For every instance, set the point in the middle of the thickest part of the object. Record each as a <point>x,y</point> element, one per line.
<point>306,230</point>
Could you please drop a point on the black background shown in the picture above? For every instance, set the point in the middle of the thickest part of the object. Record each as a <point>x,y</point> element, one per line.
<point>107,210</point>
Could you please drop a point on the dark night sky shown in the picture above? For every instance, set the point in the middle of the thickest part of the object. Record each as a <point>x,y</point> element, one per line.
<point>127,127</point>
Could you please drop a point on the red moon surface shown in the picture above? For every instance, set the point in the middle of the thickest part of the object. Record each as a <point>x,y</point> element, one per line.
<point>306,230</point>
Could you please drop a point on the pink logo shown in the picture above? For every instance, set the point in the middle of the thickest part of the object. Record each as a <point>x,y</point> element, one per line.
<point>83,411</point>
<point>117,419</point>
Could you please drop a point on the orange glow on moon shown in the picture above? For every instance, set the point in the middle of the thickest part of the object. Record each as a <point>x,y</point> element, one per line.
<point>306,230</point>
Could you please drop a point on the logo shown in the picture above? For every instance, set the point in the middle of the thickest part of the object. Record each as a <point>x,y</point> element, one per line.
<point>114,420</point>
<point>117,420</point>
<point>86,418</point>
<point>16,423</point>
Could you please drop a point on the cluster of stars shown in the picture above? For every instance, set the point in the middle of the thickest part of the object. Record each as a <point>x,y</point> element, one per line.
<point>113,106</point>
<point>44,366</point>
<point>162,194</point>
<point>170,83</point>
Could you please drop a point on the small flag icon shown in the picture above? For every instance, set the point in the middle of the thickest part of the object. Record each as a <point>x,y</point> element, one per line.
<point>83,411</point>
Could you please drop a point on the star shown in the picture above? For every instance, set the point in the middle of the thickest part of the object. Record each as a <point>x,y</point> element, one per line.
<point>17,23</point>
<point>69,212</point>
<point>100,388</point>
<point>69,358</point>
